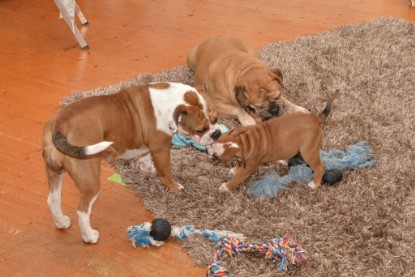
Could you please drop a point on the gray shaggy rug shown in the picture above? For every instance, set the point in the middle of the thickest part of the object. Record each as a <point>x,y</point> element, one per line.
<point>365,225</point>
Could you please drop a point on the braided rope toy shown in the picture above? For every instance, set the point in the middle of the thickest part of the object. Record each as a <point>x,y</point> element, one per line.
<point>155,232</point>
<point>282,251</point>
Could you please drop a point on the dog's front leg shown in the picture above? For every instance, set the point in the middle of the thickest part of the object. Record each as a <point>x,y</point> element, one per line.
<point>240,174</point>
<point>289,107</point>
<point>244,118</point>
<point>162,162</point>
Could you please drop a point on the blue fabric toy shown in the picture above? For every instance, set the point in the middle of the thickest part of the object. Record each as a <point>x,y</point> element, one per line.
<point>358,156</point>
<point>180,141</point>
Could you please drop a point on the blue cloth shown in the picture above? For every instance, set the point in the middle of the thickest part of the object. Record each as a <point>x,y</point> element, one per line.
<point>358,156</point>
<point>181,141</point>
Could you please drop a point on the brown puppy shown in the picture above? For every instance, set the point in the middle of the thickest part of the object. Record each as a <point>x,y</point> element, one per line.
<point>135,122</point>
<point>277,139</point>
<point>239,83</point>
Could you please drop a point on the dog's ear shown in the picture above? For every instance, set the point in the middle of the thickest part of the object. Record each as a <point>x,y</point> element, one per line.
<point>212,113</point>
<point>179,113</point>
<point>240,95</point>
<point>278,75</point>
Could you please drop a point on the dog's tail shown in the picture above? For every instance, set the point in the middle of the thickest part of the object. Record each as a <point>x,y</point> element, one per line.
<point>325,113</point>
<point>61,143</point>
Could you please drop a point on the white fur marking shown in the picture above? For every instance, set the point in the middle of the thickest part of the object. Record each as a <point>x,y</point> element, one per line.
<point>224,188</point>
<point>165,101</point>
<point>232,145</point>
<point>96,148</point>
<point>88,234</point>
<point>129,154</point>
<point>54,202</point>
<point>145,164</point>
<point>312,185</point>
<point>219,148</point>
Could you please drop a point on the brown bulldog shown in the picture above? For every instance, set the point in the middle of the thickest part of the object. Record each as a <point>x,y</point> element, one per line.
<point>280,138</point>
<point>239,83</point>
<point>135,122</point>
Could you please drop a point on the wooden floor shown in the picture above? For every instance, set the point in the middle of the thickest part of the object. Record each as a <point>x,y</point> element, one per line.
<point>40,63</point>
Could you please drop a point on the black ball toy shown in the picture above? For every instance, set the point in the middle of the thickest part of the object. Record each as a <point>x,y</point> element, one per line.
<point>160,229</point>
<point>296,160</point>
<point>332,176</point>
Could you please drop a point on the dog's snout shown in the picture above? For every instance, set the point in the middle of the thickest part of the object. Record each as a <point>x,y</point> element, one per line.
<point>216,134</point>
<point>274,110</point>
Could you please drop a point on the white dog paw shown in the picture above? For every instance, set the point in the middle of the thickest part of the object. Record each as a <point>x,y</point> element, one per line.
<point>301,110</point>
<point>312,185</point>
<point>64,223</point>
<point>179,187</point>
<point>232,172</point>
<point>283,162</point>
<point>224,188</point>
<point>91,236</point>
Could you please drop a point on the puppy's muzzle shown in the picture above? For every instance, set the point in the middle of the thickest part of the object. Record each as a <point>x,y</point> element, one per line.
<point>216,134</point>
<point>275,109</point>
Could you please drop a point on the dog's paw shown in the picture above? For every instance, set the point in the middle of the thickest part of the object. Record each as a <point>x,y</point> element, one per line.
<point>283,163</point>
<point>224,188</point>
<point>91,236</point>
<point>312,185</point>
<point>177,188</point>
<point>64,223</point>
<point>299,109</point>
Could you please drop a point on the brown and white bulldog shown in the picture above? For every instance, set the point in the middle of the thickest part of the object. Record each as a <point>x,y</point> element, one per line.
<point>280,138</point>
<point>135,122</point>
<point>239,83</point>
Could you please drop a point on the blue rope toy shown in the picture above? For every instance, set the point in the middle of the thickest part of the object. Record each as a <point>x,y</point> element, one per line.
<point>358,156</point>
<point>156,232</point>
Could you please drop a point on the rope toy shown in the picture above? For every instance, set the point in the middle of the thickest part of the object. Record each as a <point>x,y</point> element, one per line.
<point>156,232</point>
<point>359,155</point>
<point>281,251</point>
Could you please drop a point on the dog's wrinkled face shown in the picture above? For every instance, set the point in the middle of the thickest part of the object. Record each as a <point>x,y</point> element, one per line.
<point>258,91</point>
<point>195,120</point>
<point>227,148</point>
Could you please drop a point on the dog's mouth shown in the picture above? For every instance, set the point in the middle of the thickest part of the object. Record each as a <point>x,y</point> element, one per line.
<point>274,110</point>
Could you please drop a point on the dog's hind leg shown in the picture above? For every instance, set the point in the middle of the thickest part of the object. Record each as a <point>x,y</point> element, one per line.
<point>55,198</point>
<point>85,174</point>
<point>312,158</point>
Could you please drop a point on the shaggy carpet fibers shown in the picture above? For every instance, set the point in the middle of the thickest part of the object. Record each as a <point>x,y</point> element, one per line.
<point>365,225</point>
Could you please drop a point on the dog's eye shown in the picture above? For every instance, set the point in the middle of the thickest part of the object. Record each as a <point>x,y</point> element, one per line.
<point>201,131</point>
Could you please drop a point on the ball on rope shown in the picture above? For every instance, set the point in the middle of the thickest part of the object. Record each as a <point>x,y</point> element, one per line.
<point>160,229</point>
<point>332,176</point>
<point>296,160</point>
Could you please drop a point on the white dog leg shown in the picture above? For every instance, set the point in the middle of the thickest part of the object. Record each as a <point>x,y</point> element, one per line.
<point>55,203</point>
<point>88,234</point>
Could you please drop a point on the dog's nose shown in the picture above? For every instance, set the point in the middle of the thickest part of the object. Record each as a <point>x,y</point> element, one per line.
<point>216,134</point>
<point>274,110</point>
